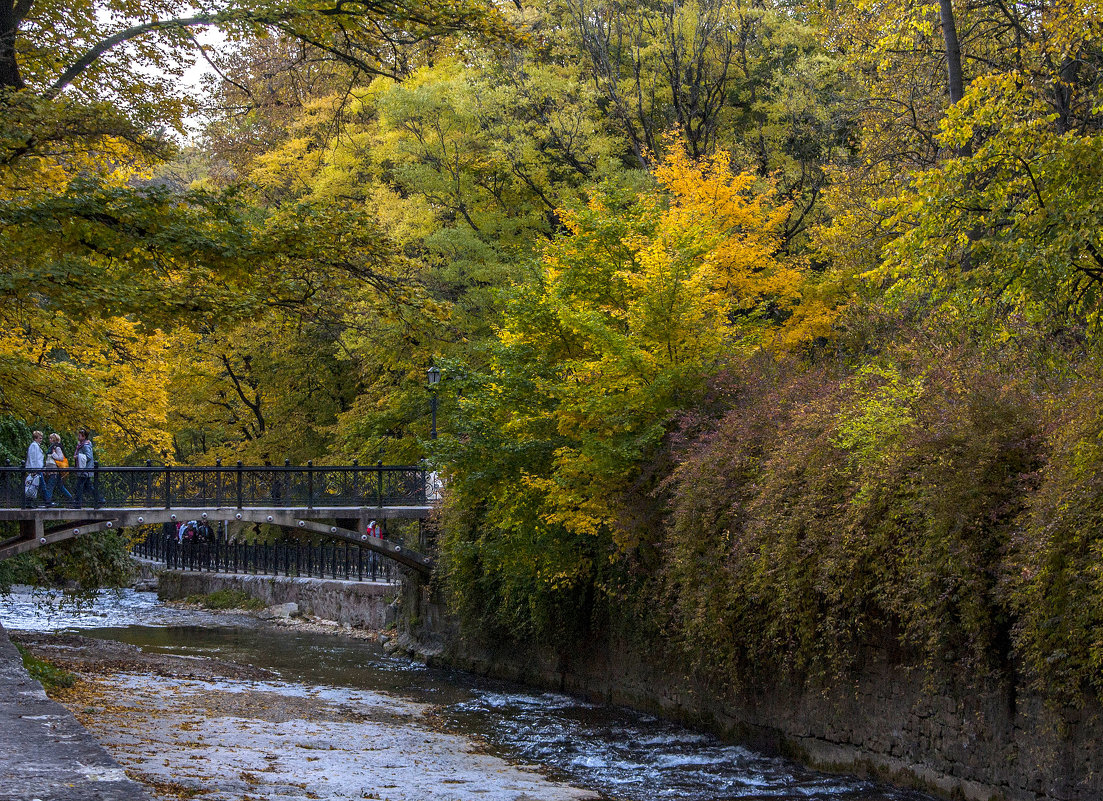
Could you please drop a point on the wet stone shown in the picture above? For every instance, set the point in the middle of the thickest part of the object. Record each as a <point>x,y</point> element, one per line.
<point>279,611</point>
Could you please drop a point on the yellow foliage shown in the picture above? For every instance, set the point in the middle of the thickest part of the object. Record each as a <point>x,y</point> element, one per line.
<point>644,297</point>
<point>739,225</point>
<point>106,374</point>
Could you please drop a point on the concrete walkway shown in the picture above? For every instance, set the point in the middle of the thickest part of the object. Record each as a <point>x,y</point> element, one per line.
<point>44,753</point>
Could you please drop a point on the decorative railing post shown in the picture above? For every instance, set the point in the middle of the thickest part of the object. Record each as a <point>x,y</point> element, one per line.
<point>310,484</point>
<point>355,497</point>
<point>168,487</point>
<point>218,483</point>
<point>149,483</point>
<point>240,503</point>
<point>379,493</point>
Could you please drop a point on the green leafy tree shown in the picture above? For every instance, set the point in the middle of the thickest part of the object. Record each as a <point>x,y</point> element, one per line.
<point>632,309</point>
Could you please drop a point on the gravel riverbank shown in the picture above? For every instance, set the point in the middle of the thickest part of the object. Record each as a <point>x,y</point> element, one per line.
<point>191,727</point>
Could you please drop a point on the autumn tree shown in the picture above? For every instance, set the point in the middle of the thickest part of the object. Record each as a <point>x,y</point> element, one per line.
<point>468,159</point>
<point>459,169</point>
<point>88,91</point>
<point>997,204</point>
<point>746,77</point>
<point>645,295</point>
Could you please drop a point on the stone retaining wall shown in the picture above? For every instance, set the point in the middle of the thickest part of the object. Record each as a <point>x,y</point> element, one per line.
<point>360,604</point>
<point>892,721</point>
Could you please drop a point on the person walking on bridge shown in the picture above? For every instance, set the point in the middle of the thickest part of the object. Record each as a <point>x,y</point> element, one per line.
<point>36,460</point>
<point>55,463</point>
<point>86,463</point>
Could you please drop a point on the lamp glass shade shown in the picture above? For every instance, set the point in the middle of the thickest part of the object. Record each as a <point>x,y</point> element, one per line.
<point>434,375</point>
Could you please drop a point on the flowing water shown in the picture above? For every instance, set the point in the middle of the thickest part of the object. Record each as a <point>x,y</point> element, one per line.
<point>620,754</point>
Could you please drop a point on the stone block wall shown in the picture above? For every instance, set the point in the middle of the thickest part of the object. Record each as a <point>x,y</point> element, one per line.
<point>892,721</point>
<point>359,604</point>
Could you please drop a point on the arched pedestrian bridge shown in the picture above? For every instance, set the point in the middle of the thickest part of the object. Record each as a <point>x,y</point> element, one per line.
<point>334,501</point>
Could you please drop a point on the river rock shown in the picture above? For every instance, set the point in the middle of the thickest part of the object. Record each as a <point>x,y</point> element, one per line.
<point>279,611</point>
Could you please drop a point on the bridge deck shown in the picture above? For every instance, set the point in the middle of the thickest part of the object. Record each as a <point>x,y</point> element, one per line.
<point>308,498</point>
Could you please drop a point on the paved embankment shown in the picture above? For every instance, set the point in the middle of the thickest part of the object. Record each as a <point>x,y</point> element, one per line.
<point>44,753</point>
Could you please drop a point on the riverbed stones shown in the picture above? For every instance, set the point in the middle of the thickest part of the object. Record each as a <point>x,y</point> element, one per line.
<point>279,612</point>
<point>228,740</point>
<point>90,654</point>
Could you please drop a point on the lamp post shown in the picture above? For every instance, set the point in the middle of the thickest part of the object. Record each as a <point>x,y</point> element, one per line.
<point>434,379</point>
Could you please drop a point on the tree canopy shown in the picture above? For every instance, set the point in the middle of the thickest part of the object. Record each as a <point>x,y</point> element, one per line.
<point>782,320</point>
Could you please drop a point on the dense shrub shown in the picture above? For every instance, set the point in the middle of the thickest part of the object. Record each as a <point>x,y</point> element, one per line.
<point>1056,573</point>
<point>940,498</point>
<point>516,576</point>
<point>831,511</point>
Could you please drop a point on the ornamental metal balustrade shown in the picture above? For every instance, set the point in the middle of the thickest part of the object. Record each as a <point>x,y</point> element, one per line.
<point>240,486</point>
<point>302,560</point>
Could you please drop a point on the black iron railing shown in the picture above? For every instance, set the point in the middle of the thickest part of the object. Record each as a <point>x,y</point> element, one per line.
<point>237,486</point>
<point>348,562</point>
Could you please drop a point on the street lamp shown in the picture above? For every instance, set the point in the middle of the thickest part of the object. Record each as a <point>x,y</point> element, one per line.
<point>434,379</point>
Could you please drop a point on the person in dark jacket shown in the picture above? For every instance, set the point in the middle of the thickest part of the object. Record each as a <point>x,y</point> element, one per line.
<point>85,462</point>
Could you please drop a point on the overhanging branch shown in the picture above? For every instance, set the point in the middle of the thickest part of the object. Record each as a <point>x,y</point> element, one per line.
<point>277,18</point>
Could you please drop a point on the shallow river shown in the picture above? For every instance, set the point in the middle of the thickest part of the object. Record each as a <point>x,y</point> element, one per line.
<point>619,754</point>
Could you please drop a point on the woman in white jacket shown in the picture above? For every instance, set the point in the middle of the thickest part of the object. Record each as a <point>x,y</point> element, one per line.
<point>36,460</point>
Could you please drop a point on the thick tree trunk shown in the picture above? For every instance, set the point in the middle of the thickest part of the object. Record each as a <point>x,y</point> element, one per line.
<point>953,51</point>
<point>1063,94</point>
<point>10,17</point>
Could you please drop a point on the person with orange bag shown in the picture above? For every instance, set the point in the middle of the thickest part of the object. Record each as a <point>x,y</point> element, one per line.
<point>55,463</point>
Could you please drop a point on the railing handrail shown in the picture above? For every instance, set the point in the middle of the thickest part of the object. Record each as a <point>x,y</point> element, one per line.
<point>166,486</point>
<point>322,561</point>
